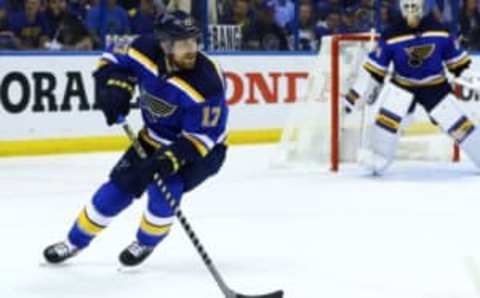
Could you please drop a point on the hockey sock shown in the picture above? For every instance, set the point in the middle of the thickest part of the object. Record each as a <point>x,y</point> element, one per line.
<point>107,202</point>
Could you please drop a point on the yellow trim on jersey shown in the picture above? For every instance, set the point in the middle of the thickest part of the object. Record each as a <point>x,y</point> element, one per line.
<point>143,60</point>
<point>173,159</point>
<point>88,225</point>
<point>154,229</point>
<point>149,140</point>
<point>201,148</point>
<point>406,83</point>
<point>372,68</point>
<point>187,88</point>
<point>435,33</point>
<point>102,62</point>
<point>400,38</point>
<point>458,64</point>
<point>387,121</point>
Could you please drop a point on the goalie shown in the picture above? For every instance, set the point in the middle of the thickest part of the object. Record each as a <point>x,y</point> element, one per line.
<point>419,49</point>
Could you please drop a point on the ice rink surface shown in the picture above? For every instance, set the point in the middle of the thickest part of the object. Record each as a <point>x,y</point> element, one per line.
<point>309,232</point>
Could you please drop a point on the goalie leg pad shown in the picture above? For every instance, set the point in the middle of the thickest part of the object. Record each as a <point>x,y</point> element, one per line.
<point>365,89</point>
<point>382,139</point>
<point>451,118</point>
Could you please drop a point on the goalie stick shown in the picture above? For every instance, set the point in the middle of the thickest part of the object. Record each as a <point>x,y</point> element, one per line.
<point>227,291</point>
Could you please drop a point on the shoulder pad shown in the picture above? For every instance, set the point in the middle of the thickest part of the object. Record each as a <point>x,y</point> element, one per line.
<point>146,45</point>
<point>206,78</point>
<point>146,51</point>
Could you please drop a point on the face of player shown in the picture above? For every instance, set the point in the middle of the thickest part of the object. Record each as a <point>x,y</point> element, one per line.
<point>184,53</point>
<point>412,11</point>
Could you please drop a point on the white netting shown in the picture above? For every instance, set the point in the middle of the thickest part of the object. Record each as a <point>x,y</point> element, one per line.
<point>307,136</point>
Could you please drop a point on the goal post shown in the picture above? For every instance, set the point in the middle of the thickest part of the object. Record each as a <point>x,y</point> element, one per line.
<point>319,131</point>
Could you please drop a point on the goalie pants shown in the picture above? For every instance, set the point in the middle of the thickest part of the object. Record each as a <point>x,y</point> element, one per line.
<point>158,217</point>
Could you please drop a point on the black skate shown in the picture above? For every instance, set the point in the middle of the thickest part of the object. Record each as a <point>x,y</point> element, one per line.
<point>134,254</point>
<point>59,252</point>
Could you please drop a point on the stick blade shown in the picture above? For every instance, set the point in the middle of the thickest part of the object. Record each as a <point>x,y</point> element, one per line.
<point>277,294</point>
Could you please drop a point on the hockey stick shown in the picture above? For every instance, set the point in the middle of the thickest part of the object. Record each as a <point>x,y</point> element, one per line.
<point>229,293</point>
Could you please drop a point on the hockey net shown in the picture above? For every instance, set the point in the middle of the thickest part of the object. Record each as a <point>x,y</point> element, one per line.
<point>319,131</point>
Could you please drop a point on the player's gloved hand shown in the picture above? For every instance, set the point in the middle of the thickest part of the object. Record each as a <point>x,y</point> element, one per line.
<point>114,98</point>
<point>135,178</point>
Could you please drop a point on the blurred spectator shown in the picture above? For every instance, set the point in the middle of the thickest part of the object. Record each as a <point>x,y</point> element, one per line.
<point>29,26</point>
<point>332,25</point>
<point>306,27</point>
<point>327,7</point>
<point>470,24</point>
<point>107,18</point>
<point>142,18</point>
<point>364,16</point>
<point>241,14</point>
<point>223,7</point>
<point>7,37</point>
<point>348,20</point>
<point>447,11</point>
<point>196,8</point>
<point>15,5</point>
<point>65,30</point>
<point>265,34</point>
<point>385,16</point>
<point>284,12</point>
<point>3,16</point>
<point>79,7</point>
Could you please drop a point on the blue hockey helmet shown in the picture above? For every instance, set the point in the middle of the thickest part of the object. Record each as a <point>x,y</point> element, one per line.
<point>175,26</point>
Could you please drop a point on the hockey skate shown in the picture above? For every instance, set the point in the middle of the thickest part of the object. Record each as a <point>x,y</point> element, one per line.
<point>59,252</point>
<point>134,254</point>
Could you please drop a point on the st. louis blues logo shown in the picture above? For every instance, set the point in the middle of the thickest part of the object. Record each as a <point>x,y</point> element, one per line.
<point>155,106</point>
<point>418,54</point>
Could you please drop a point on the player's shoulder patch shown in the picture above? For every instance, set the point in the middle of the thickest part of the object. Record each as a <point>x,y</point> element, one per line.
<point>205,81</point>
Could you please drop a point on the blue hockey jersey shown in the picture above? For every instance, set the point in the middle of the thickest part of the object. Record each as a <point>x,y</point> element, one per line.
<point>419,57</point>
<point>188,103</point>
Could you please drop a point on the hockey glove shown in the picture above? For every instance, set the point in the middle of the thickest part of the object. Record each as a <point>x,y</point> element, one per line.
<point>114,98</point>
<point>133,175</point>
<point>135,178</point>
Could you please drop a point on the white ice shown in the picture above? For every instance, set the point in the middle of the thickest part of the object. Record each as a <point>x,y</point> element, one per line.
<point>311,233</point>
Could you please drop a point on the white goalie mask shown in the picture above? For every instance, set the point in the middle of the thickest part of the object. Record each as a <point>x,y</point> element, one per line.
<point>412,11</point>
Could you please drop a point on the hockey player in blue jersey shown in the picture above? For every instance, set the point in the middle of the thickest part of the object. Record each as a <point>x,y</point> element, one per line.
<point>182,101</point>
<point>421,51</point>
